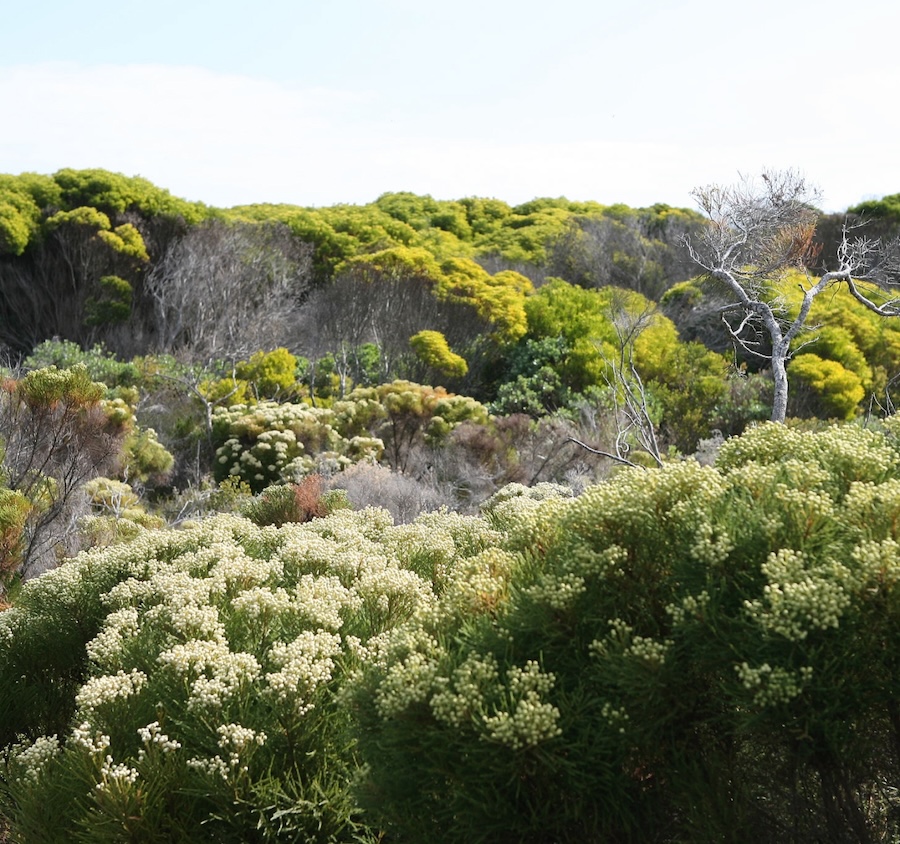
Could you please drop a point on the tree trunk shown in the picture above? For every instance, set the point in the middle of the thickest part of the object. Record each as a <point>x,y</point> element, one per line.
<point>779,373</point>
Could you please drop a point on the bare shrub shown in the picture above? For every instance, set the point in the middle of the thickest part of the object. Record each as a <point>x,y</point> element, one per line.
<point>371,485</point>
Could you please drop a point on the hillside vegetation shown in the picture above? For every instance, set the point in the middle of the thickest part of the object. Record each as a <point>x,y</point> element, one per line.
<point>435,520</point>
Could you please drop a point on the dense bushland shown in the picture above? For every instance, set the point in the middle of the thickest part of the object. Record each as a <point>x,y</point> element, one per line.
<point>677,654</point>
<point>293,591</point>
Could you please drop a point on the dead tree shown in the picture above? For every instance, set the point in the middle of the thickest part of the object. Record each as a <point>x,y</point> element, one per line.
<point>756,233</point>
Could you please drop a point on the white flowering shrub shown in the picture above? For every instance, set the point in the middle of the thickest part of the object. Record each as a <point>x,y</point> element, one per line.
<point>194,676</point>
<point>269,443</point>
<point>692,649</point>
<point>682,652</point>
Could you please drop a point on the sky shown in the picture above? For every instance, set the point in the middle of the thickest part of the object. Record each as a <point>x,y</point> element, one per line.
<point>320,102</point>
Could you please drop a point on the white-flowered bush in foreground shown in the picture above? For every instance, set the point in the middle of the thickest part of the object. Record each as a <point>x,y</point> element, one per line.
<point>208,667</point>
<point>693,649</point>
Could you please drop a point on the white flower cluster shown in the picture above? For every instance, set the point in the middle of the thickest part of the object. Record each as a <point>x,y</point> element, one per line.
<point>236,738</point>
<point>237,741</point>
<point>261,602</point>
<point>108,687</point>
<point>711,546</point>
<point>872,507</point>
<point>650,651</point>
<point>32,758</point>
<point>615,716</point>
<point>801,596</point>
<point>213,766</point>
<point>89,739</point>
<point>773,686</point>
<point>406,682</point>
<point>479,585</point>
<point>760,480</point>
<point>10,620</point>
<point>106,647</point>
<point>192,620</point>
<point>558,591</point>
<point>321,600</point>
<point>618,637</point>
<point>840,449</point>
<point>171,586</point>
<point>529,679</point>
<point>388,587</point>
<point>877,566</point>
<point>806,506</point>
<point>305,664</point>
<point>153,736</point>
<point>234,570</point>
<point>412,665</point>
<point>115,776</point>
<point>528,523</point>
<point>621,639</point>
<point>419,541</point>
<point>194,656</point>
<point>530,720</point>
<point>691,606</point>
<point>460,697</point>
<point>215,672</point>
<point>593,563</point>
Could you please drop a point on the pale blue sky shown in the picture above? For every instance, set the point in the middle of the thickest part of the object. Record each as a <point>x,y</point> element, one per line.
<point>315,103</point>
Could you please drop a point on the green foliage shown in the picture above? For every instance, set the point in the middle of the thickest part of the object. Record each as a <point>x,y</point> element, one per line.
<point>498,299</point>
<point>127,241</point>
<point>22,199</point>
<point>101,364</point>
<point>858,349</point>
<point>584,319</point>
<point>145,459</point>
<point>887,208</point>
<point>117,514</point>
<point>690,384</point>
<point>532,383</point>
<point>83,215</point>
<point>114,193</point>
<point>43,389</point>
<point>61,432</point>
<point>112,304</point>
<point>300,502</point>
<point>410,415</point>
<point>14,511</point>
<point>15,230</point>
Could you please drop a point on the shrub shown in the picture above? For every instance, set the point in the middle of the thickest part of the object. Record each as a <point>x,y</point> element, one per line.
<point>14,511</point>
<point>187,686</point>
<point>685,654</point>
<point>58,433</point>
<point>678,654</point>
<point>300,502</point>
